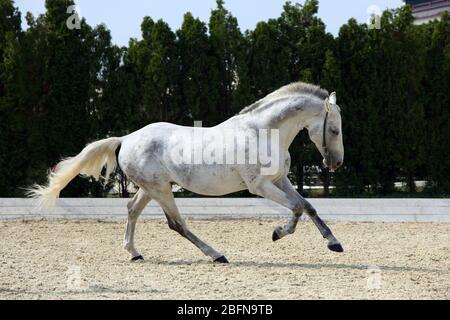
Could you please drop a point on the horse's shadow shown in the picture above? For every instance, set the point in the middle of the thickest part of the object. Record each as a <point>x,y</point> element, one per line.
<point>294,265</point>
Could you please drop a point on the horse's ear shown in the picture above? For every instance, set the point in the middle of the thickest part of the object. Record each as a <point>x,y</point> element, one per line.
<point>333,98</point>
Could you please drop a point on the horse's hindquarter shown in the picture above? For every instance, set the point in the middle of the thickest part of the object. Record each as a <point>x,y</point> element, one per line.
<point>140,152</point>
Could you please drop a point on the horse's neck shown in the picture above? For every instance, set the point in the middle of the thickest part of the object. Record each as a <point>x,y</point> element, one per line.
<point>289,117</point>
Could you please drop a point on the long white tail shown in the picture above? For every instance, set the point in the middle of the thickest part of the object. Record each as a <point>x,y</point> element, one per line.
<point>88,162</point>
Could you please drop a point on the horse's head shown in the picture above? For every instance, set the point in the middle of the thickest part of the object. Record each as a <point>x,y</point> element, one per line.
<point>326,132</point>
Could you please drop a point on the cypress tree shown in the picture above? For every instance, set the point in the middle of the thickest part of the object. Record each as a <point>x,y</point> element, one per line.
<point>13,125</point>
<point>436,102</point>
<point>227,44</point>
<point>330,79</point>
<point>198,75</point>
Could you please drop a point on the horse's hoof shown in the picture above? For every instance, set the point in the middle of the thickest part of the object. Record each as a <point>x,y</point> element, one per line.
<point>138,258</point>
<point>336,247</point>
<point>275,236</point>
<point>221,259</point>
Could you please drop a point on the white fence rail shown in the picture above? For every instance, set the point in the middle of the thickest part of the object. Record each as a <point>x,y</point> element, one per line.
<point>388,210</point>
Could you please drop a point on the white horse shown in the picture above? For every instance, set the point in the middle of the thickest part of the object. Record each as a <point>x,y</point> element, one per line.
<point>150,157</point>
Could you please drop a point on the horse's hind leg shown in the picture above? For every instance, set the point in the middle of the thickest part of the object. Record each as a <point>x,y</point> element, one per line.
<point>177,223</point>
<point>135,208</point>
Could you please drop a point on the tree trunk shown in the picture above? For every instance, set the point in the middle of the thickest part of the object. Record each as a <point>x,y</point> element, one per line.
<point>326,182</point>
<point>411,184</point>
<point>299,175</point>
<point>123,183</point>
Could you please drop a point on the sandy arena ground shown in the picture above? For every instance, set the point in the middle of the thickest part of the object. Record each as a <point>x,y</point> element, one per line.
<point>48,259</point>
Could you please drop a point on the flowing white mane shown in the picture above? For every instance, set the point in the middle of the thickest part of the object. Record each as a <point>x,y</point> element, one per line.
<point>288,90</point>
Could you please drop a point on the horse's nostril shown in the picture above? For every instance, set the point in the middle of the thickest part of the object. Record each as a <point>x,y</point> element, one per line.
<point>339,163</point>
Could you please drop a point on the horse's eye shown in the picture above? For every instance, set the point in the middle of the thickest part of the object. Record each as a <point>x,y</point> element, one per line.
<point>335,132</point>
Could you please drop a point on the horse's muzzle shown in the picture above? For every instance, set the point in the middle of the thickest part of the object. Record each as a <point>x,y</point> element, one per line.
<point>330,166</point>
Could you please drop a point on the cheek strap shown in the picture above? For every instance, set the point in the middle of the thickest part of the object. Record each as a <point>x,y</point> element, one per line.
<point>327,106</point>
<point>324,140</point>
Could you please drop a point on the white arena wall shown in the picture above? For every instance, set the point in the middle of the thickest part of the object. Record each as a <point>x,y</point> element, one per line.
<point>369,210</point>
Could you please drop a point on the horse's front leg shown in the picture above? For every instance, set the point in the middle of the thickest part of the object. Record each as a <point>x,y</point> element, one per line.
<point>284,194</point>
<point>280,194</point>
<point>333,243</point>
<point>289,228</point>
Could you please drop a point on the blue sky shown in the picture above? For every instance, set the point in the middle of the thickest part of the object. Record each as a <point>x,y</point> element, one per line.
<point>123,18</point>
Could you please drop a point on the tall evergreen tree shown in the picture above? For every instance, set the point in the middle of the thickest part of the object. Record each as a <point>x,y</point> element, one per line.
<point>357,83</point>
<point>13,125</point>
<point>330,79</point>
<point>268,58</point>
<point>437,102</point>
<point>227,44</point>
<point>162,74</point>
<point>198,76</point>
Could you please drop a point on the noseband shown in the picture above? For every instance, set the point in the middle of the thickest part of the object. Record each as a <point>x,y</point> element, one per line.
<point>324,139</point>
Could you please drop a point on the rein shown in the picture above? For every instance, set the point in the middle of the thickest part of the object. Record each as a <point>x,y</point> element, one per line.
<point>324,139</point>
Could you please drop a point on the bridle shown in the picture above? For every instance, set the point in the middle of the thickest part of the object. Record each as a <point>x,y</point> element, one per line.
<point>327,105</point>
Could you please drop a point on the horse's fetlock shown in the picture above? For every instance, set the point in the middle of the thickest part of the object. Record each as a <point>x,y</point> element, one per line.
<point>290,230</point>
